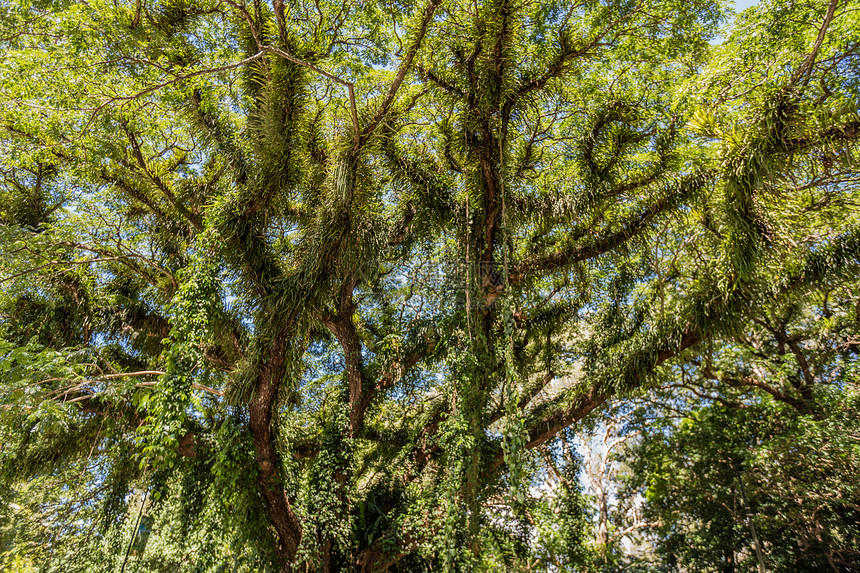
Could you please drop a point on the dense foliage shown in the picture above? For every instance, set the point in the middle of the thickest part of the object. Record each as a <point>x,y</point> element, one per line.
<point>800,484</point>
<point>326,285</point>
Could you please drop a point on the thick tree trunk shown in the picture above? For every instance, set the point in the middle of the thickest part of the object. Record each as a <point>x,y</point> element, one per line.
<point>343,328</point>
<point>281,514</point>
<point>359,399</point>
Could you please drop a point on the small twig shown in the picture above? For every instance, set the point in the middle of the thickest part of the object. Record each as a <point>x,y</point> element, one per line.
<point>197,386</point>
<point>130,374</point>
<point>178,79</point>
<point>55,264</point>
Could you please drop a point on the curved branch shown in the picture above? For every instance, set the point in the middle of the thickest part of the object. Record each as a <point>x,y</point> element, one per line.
<point>809,61</point>
<point>350,87</point>
<point>632,226</point>
<point>405,65</point>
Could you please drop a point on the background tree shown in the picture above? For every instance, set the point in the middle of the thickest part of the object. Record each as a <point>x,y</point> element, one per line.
<point>319,276</point>
<point>801,496</point>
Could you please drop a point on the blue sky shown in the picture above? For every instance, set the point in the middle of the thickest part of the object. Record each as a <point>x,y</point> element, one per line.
<point>744,4</point>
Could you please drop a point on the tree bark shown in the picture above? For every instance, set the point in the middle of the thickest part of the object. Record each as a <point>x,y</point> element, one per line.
<point>281,514</point>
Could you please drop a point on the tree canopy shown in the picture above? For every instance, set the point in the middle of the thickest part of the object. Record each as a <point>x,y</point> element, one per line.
<point>314,285</point>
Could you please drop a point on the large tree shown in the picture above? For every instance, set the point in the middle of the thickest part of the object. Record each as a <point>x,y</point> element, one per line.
<point>319,275</point>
